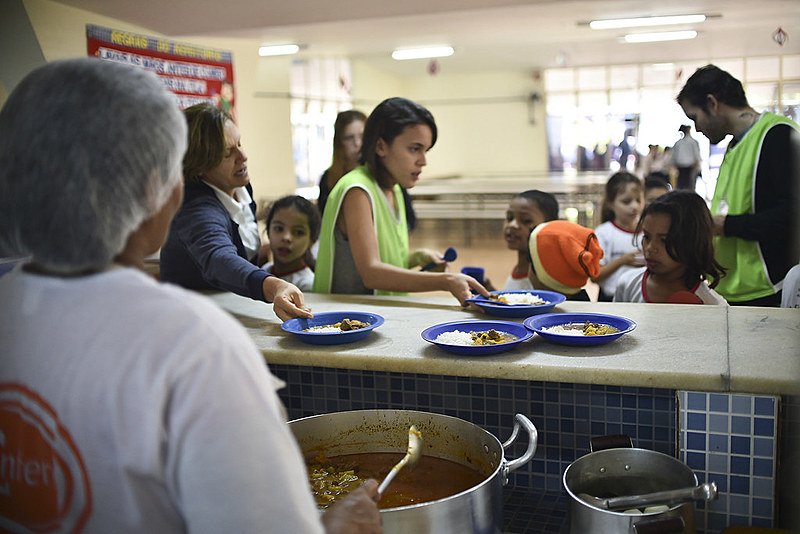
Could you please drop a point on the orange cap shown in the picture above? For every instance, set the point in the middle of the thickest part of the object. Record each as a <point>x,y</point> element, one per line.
<point>564,255</point>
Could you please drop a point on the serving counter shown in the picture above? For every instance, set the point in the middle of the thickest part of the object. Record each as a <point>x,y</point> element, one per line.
<point>710,385</point>
<point>708,348</point>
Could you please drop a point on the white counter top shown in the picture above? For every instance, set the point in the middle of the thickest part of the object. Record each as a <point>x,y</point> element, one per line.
<point>697,348</point>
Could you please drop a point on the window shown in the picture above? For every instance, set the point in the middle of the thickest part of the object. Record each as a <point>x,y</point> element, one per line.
<point>320,88</point>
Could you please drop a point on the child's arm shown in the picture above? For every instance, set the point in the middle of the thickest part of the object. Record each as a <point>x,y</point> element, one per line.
<point>629,258</point>
<point>358,226</point>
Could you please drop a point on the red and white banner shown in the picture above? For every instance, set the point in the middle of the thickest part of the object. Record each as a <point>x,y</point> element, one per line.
<point>193,73</point>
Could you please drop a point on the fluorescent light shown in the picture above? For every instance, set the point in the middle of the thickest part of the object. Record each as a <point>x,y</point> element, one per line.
<point>662,66</point>
<point>611,24</point>
<point>659,36</point>
<point>422,53</point>
<point>278,50</point>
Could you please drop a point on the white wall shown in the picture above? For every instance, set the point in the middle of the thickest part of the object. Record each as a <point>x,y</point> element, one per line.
<point>264,123</point>
<point>482,128</point>
<point>483,120</point>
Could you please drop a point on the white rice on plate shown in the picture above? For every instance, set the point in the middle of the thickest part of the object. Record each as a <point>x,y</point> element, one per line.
<point>324,329</point>
<point>456,337</point>
<point>569,329</point>
<point>529,299</point>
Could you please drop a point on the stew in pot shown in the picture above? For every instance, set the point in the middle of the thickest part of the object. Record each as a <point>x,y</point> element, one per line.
<point>430,480</point>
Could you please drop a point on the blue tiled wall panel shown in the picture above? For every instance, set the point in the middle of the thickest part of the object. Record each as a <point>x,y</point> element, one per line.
<point>736,449</point>
<point>728,439</point>
<point>566,415</point>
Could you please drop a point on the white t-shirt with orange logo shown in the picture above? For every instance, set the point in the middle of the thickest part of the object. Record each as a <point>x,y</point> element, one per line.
<point>131,406</point>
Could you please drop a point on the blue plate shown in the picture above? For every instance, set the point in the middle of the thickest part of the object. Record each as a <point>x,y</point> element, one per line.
<point>539,322</point>
<point>298,326</point>
<point>515,329</point>
<point>519,310</point>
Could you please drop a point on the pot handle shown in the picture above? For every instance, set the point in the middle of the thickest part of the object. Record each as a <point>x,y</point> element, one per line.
<point>533,440</point>
<point>661,525</point>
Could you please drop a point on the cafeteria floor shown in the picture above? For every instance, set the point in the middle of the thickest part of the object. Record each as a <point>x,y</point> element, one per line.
<point>479,243</point>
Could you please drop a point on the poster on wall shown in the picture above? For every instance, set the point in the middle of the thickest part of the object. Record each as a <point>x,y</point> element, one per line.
<point>193,73</point>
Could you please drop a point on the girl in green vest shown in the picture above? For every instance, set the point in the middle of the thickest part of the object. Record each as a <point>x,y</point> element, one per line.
<point>364,238</point>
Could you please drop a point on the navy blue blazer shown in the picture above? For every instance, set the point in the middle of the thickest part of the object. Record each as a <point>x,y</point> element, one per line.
<point>204,249</point>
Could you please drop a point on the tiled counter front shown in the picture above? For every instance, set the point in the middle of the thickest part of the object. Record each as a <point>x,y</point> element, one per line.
<point>743,357</point>
<point>728,439</point>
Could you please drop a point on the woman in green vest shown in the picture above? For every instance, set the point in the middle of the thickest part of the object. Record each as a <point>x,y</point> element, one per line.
<point>364,238</point>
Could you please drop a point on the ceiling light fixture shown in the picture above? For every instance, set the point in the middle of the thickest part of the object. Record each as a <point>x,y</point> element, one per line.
<point>422,53</point>
<point>612,24</point>
<point>278,50</point>
<point>659,36</point>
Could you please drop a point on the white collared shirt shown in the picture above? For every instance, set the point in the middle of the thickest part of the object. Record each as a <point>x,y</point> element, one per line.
<point>238,207</point>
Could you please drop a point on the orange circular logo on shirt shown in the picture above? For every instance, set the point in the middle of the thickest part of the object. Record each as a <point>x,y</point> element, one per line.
<point>44,486</point>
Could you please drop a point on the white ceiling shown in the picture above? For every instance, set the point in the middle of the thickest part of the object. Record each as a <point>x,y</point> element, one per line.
<point>487,34</point>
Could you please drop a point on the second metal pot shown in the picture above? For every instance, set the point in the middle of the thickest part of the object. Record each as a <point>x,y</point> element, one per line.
<point>627,471</point>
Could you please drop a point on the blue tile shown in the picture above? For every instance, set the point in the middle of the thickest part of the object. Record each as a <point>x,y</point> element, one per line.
<point>696,460</point>
<point>696,401</point>
<point>718,443</point>
<point>717,463</point>
<point>762,467</point>
<point>763,447</point>
<point>629,416</point>
<point>695,421</point>
<point>739,504</point>
<point>740,425</point>
<point>718,423</point>
<point>764,406</point>
<point>741,404</point>
<point>718,403</point>
<point>740,465</point>
<point>740,485</point>
<point>763,426</point>
<point>695,441</point>
<point>762,487</point>
<point>629,401</point>
<point>761,522</point>
<point>740,445</point>
<point>613,400</point>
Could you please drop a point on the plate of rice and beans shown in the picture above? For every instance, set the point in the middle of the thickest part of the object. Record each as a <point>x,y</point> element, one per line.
<point>333,328</point>
<point>518,303</point>
<point>476,338</point>
<point>579,329</point>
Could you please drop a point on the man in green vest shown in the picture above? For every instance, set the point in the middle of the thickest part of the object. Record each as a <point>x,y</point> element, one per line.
<point>756,196</point>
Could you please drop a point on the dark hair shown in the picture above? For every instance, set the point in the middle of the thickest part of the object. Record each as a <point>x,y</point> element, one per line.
<point>546,202</point>
<point>301,204</point>
<point>387,121</point>
<point>711,80</point>
<point>206,147</point>
<point>343,120</point>
<point>656,180</point>
<point>690,237</point>
<point>614,186</point>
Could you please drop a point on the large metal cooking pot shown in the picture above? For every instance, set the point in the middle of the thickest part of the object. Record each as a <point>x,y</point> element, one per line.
<point>476,510</point>
<point>624,470</point>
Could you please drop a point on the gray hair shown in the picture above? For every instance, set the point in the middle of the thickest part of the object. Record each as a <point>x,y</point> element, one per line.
<point>89,149</point>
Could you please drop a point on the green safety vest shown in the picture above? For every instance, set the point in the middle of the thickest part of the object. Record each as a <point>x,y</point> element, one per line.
<point>391,229</point>
<point>734,194</point>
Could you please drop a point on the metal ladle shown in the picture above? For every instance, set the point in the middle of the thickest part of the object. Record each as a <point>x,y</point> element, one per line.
<point>706,492</point>
<point>412,457</point>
